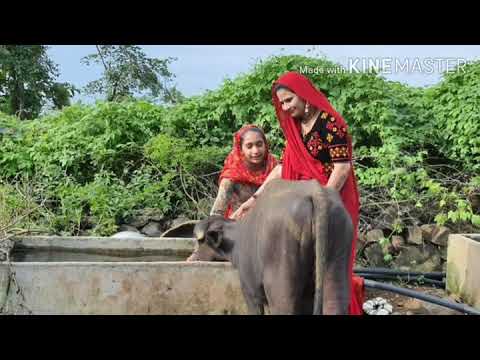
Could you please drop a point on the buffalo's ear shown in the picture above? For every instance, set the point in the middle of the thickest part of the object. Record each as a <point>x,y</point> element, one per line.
<point>214,238</point>
<point>210,230</point>
<point>200,230</point>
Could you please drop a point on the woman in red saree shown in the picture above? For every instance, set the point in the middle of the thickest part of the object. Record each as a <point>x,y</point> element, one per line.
<point>245,169</point>
<point>319,147</point>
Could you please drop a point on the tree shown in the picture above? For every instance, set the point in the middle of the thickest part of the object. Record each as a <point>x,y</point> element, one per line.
<point>27,81</point>
<point>128,71</point>
<point>61,94</point>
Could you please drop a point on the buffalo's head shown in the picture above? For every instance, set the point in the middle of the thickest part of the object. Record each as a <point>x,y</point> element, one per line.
<point>209,232</point>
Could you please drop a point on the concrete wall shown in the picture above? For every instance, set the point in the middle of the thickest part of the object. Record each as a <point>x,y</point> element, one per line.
<point>122,287</point>
<point>126,288</point>
<point>463,267</point>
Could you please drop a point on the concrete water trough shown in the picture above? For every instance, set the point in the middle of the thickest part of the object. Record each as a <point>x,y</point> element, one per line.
<point>104,275</point>
<point>463,268</point>
<point>136,276</point>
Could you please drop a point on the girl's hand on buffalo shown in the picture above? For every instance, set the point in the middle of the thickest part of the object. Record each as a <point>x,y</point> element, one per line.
<point>242,210</point>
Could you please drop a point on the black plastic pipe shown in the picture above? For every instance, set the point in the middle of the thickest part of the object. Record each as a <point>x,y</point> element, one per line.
<point>397,276</point>
<point>418,279</point>
<point>386,271</point>
<point>465,309</point>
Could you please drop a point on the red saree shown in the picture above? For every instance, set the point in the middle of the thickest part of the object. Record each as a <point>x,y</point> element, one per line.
<point>298,164</point>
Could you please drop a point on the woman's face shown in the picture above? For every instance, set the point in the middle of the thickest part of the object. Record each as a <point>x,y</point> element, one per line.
<point>291,103</point>
<point>253,147</point>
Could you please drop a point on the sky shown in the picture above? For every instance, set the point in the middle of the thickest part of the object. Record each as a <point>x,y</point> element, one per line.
<point>202,67</point>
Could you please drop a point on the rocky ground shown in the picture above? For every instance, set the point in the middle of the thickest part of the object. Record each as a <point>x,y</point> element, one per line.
<point>418,248</point>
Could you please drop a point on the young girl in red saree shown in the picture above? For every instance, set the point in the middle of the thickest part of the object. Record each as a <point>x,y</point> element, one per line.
<point>245,169</point>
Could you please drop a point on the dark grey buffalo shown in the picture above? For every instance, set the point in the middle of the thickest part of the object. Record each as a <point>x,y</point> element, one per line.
<point>291,250</point>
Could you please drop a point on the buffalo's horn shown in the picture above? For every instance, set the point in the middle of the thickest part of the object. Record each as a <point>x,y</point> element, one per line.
<point>200,234</point>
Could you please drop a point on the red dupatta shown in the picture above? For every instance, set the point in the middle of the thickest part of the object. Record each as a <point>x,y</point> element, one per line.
<point>298,164</point>
<point>235,167</point>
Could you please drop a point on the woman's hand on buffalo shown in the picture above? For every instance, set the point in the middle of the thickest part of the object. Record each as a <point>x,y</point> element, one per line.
<point>243,209</point>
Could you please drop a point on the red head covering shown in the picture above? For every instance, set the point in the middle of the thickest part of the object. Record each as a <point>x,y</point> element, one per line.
<point>298,164</point>
<point>235,167</point>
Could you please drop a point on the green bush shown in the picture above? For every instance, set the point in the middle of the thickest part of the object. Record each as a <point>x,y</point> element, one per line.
<point>20,208</point>
<point>81,141</point>
<point>97,166</point>
<point>455,108</point>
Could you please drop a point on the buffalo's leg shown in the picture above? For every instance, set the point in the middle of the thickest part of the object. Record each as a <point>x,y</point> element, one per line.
<point>307,299</point>
<point>255,303</point>
<point>285,305</point>
<point>254,308</point>
<point>337,277</point>
<point>282,291</point>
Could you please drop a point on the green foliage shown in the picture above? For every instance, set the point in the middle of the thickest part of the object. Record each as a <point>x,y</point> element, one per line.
<point>62,94</point>
<point>127,70</point>
<point>394,132</point>
<point>22,207</point>
<point>12,204</point>
<point>374,108</point>
<point>455,107</point>
<point>167,152</point>
<point>98,166</point>
<point>81,141</point>
<point>192,169</point>
<point>385,245</point>
<point>100,205</point>
<point>27,81</point>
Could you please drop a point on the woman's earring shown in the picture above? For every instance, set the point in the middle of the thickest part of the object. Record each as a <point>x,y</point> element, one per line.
<point>307,108</point>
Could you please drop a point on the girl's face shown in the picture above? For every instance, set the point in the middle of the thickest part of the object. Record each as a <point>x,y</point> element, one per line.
<point>253,147</point>
<point>291,103</point>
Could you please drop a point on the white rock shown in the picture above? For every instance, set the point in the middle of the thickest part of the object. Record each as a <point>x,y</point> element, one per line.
<point>128,235</point>
<point>383,312</point>
<point>368,306</point>
<point>389,308</point>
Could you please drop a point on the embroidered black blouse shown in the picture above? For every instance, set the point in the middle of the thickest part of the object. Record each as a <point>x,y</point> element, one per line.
<point>327,142</point>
